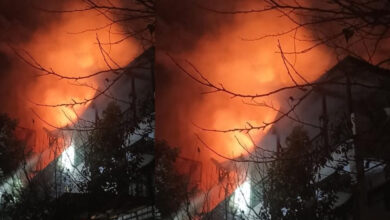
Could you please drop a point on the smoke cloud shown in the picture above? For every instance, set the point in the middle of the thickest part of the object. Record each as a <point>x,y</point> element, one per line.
<point>222,49</point>
<point>66,43</point>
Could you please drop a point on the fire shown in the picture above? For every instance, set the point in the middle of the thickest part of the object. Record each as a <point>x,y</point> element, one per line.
<point>228,57</point>
<point>76,45</point>
<point>71,48</point>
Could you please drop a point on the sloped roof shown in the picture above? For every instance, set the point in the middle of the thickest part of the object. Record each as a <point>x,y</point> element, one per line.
<point>355,68</point>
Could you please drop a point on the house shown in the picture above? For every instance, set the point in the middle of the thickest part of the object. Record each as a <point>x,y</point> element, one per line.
<point>61,183</point>
<point>351,99</point>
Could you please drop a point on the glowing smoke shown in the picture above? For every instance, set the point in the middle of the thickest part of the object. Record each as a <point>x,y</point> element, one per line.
<point>68,44</point>
<point>215,44</point>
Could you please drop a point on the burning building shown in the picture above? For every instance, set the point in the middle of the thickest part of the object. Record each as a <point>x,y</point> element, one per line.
<point>63,179</point>
<point>62,63</point>
<point>352,97</point>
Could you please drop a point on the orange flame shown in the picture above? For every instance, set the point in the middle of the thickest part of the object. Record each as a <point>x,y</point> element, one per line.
<point>243,66</point>
<point>78,45</point>
<point>71,50</point>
